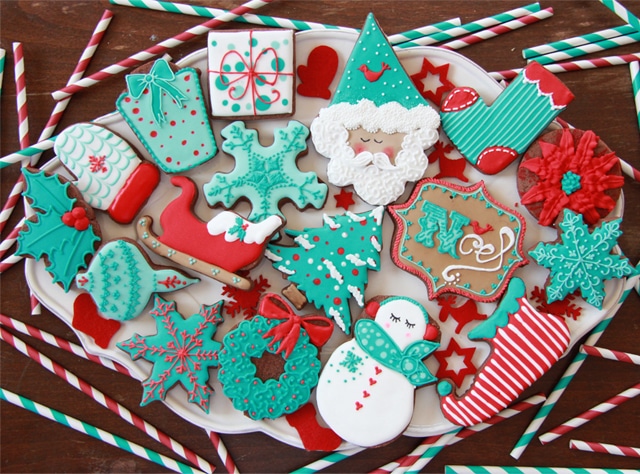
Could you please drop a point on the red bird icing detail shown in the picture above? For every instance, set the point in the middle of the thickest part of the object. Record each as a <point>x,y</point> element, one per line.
<point>373,76</point>
<point>481,230</point>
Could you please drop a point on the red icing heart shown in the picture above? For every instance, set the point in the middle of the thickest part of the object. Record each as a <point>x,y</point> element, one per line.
<point>365,394</point>
<point>378,370</point>
<point>358,406</point>
<point>372,381</point>
<point>87,319</point>
<point>316,76</point>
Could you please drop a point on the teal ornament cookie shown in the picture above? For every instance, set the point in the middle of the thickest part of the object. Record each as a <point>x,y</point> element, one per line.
<point>182,352</point>
<point>582,259</point>
<point>166,110</point>
<point>63,232</point>
<point>266,176</point>
<point>121,280</point>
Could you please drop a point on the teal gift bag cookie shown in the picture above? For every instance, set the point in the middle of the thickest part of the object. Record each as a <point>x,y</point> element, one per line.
<point>166,110</point>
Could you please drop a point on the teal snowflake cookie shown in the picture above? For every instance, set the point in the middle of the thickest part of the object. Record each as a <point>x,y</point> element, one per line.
<point>582,259</point>
<point>182,352</point>
<point>265,176</point>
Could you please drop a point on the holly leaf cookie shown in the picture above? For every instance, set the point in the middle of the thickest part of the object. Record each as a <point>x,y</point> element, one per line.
<point>64,230</point>
<point>582,259</point>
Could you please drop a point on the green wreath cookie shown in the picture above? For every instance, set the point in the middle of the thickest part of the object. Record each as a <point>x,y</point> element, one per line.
<point>265,371</point>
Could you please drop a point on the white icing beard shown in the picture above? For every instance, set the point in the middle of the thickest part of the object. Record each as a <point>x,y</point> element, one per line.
<point>374,178</point>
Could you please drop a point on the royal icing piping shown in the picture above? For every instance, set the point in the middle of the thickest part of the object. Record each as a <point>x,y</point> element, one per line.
<point>121,281</point>
<point>251,73</point>
<point>182,352</point>
<point>317,75</point>
<point>65,230</point>
<point>457,239</point>
<point>325,267</point>
<point>166,111</point>
<point>265,176</point>
<point>491,137</point>
<point>582,259</point>
<point>364,400</point>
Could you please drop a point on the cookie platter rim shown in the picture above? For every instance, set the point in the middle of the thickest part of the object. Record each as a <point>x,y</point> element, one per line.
<point>423,422</point>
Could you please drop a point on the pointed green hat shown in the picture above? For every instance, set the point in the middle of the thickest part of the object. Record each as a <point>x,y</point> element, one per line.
<point>374,72</point>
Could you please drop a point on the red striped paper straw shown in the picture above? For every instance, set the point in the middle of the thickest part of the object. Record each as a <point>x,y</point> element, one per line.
<point>610,354</point>
<point>61,343</point>
<point>157,49</point>
<point>105,401</point>
<point>9,262</point>
<point>10,239</point>
<point>411,458</point>
<point>614,449</point>
<point>21,95</point>
<point>590,414</point>
<point>225,457</point>
<point>569,66</point>
<point>499,29</point>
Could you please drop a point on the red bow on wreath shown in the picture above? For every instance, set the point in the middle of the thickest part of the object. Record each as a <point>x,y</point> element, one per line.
<point>318,328</point>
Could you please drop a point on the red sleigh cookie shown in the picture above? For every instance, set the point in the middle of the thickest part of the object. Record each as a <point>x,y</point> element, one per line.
<point>218,248</point>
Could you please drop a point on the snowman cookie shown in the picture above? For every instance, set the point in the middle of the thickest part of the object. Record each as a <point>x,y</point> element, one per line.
<point>383,363</point>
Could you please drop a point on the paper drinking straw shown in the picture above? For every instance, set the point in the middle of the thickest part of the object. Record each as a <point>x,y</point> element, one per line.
<point>207,12</point>
<point>94,432</point>
<point>529,53</point>
<point>634,70</point>
<point>61,343</point>
<point>157,49</point>
<point>473,26</point>
<point>21,95</point>
<point>416,33</point>
<point>505,414</point>
<point>568,66</point>
<point>559,389</point>
<point>614,449</point>
<point>3,55</point>
<point>499,29</point>
<point>105,401</point>
<point>10,239</point>
<point>588,48</point>
<point>610,354</point>
<point>533,470</point>
<point>225,457</point>
<point>590,414</point>
<point>429,454</point>
<point>328,460</point>
<point>624,14</point>
<point>19,156</point>
<point>57,112</point>
<point>629,170</point>
<point>9,262</point>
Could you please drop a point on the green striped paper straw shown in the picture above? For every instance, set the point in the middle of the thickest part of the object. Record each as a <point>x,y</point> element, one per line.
<point>588,48</point>
<point>3,54</point>
<point>423,31</point>
<point>20,155</point>
<point>97,433</point>
<point>207,12</point>
<point>624,14</point>
<point>473,26</point>
<point>634,69</point>
<point>533,470</point>
<point>327,461</point>
<point>568,375</point>
<point>429,454</point>
<point>529,53</point>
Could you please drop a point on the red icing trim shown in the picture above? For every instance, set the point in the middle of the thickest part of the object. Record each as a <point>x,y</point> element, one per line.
<point>88,320</point>
<point>314,437</point>
<point>548,84</point>
<point>134,193</point>
<point>494,159</point>
<point>463,314</point>
<point>459,99</point>
<point>317,75</point>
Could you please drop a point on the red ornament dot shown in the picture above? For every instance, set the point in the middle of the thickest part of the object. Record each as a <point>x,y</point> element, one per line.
<point>193,112</point>
<point>196,152</point>
<point>168,159</point>
<point>184,142</point>
<point>296,257</point>
<point>153,134</point>
<point>355,272</point>
<point>127,99</point>
<point>340,251</point>
<point>337,301</point>
<point>135,110</point>
<point>173,123</point>
<point>317,281</point>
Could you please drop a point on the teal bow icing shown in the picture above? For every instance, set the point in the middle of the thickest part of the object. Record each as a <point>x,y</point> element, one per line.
<point>158,82</point>
<point>377,344</point>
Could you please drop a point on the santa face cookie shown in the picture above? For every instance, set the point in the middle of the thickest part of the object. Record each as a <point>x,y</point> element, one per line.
<point>377,126</point>
<point>366,389</point>
<point>457,239</point>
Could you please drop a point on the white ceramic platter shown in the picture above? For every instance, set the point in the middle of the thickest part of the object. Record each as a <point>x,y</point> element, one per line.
<point>222,417</point>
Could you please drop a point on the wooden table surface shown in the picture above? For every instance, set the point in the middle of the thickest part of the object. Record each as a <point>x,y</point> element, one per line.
<point>54,33</point>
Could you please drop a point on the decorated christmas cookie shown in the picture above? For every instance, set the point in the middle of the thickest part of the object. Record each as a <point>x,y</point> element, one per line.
<point>218,248</point>
<point>366,389</point>
<point>269,364</point>
<point>121,280</point>
<point>165,108</point>
<point>63,232</point>
<point>251,73</point>
<point>317,75</point>
<point>582,259</point>
<point>492,137</point>
<point>108,172</point>
<point>525,343</point>
<point>377,126</point>
<point>572,169</point>
<point>182,352</point>
<point>328,265</point>
<point>457,239</point>
<point>266,176</point>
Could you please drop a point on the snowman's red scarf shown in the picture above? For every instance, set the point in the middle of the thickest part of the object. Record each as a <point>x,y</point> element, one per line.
<point>378,345</point>
<point>287,333</point>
